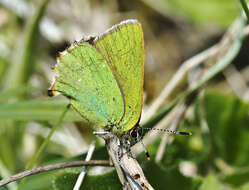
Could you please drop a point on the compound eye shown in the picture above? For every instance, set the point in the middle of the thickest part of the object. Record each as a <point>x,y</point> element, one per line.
<point>133,133</point>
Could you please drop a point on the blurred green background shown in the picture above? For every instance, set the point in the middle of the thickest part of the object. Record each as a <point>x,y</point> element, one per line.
<point>33,32</point>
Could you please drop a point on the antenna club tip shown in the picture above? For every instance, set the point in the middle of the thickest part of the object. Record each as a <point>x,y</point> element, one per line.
<point>148,156</point>
<point>184,133</point>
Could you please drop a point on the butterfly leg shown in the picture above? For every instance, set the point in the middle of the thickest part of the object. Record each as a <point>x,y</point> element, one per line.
<point>102,134</point>
<point>127,147</point>
<point>123,146</point>
<point>119,151</point>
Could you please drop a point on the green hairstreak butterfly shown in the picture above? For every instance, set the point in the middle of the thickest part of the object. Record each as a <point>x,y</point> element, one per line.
<point>103,77</point>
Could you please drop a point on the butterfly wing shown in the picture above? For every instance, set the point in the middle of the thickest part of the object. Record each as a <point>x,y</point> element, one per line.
<point>86,78</point>
<point>123,48</point>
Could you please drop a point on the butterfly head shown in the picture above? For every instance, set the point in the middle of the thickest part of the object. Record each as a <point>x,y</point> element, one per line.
<point>136,133</point>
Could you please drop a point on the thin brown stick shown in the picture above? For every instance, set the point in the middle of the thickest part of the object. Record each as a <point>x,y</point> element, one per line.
<point>54,167</point>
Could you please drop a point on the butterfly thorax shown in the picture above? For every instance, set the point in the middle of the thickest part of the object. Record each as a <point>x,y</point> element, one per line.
<point>130,137</point>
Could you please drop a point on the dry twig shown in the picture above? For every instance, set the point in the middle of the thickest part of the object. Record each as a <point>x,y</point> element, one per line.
<point>54,167</point>
<point>129,171</point>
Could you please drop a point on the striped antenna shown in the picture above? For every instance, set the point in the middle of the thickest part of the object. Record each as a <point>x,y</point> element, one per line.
<point>170,131</point>
<point>145,150</point>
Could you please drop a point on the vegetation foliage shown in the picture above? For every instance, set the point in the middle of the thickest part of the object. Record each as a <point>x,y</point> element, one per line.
<point>215,157</point>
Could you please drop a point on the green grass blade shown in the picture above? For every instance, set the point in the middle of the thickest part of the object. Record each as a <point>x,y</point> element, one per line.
<point>39,110</point>
<point>14,92</point>
<point>44,144</point>
<point>244,6</point>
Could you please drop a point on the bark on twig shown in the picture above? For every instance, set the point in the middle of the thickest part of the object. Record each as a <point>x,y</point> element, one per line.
<point>127,167</point>
<point>54,167</point>
<point>129,171</point>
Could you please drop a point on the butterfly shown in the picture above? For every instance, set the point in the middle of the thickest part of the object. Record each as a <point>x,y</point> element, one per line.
<point>104,76</point>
